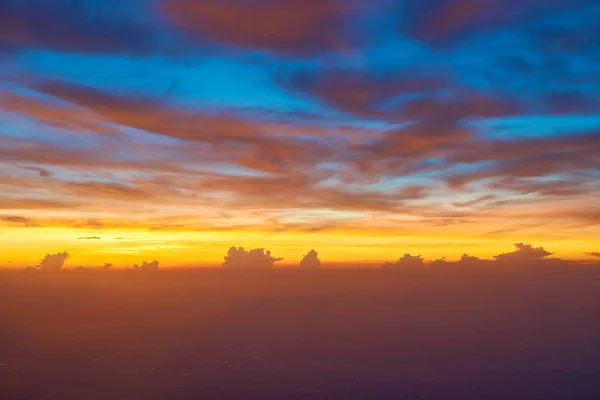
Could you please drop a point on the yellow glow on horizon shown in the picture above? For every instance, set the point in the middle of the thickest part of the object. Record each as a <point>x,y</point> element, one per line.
<point>123,248</point>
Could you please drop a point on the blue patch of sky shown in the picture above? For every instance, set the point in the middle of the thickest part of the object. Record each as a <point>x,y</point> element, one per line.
<point>217,81</point>
<point>536,126</point>
<point>330,183</point>
<point>330,166</point>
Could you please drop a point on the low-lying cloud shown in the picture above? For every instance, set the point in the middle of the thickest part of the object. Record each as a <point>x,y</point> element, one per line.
<point>238,258</point>
<point>147,266</point>
<point>53,262</point>
<point>524,255</point>
<point>310,260</point>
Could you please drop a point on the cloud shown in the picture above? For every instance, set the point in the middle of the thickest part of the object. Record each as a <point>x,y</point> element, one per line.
<point>524,255</point>
<point>442,23</point>
<point>310,260</point>
<point>90,238</point>
<point>17,220</point>
<point>593,254</point>
<point>65,25</point>
<point>359,93</point>
<point>526,158</point>
<point>293,27</point>
<point>44,173</point>
<point>572,101</point>
<point>146,266</point>
<point>104,190</point>
<point>53,262</point>
<point>33,204</point>
<point>156,115</point>
<point>429,94</point>
<point>406,261</point>
<point>471,261</point>
<point>238,258</point>
<point>108,266</point>
<point>475,202</point>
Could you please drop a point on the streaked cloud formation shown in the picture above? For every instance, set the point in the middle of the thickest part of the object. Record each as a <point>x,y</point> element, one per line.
<point>441,126</point>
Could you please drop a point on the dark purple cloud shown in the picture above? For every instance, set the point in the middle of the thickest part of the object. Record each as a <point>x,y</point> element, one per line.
<point>73,26</point>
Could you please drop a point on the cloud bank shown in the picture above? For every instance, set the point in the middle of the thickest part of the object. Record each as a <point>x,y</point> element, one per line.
<point>524,255</point>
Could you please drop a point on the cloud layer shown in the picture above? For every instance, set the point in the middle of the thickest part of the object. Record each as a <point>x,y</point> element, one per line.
<point>375,122</point>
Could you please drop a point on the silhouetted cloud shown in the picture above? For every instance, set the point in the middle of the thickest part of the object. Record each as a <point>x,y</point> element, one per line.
<point>465,261</point>
<point>310,260</point>
<point>147,266</point>
<point>90,238</point>
<point>593,254</point>
<point>406,261</point>
<point>525,255</point>
<point>108,266</point>
<point>53,262</point>
<point>471,261</point>
<point>238,258</point>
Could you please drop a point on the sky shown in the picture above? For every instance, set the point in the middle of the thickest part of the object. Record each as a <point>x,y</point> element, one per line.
<point>172,130</point>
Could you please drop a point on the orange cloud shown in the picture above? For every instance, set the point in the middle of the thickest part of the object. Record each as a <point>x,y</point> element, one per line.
<point>283,26</point>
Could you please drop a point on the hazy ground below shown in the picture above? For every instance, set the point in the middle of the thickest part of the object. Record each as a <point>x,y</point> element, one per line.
<point>520,333</point>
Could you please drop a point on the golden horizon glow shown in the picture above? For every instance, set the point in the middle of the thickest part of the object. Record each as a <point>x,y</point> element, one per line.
<point>124,248</point>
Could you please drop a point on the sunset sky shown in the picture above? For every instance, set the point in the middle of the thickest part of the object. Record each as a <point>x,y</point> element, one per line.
<point>172,130</point>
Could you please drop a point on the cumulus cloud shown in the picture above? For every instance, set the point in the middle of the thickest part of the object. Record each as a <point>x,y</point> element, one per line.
<point>147,266</point>
<point>469,261</point>
<point>524,252</point>
<point>524,255</point>
<point>310,260</point>
<point>53,262</point>
<point>238,258</point>
<point>406,261</point>
<point>108,266</point>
